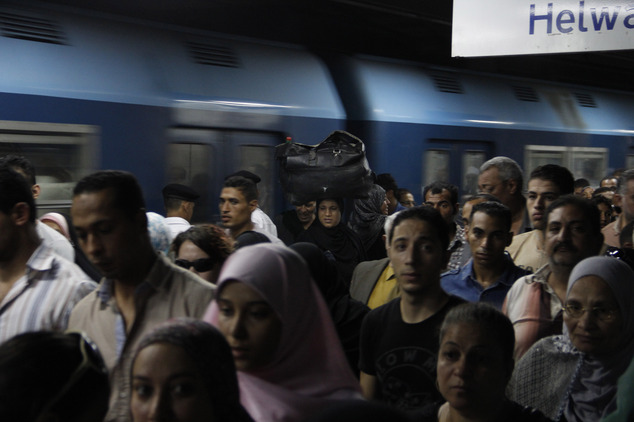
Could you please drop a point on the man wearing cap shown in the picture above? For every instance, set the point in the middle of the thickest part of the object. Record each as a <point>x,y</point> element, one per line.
<point>179,207</point>
<point>260,220</point>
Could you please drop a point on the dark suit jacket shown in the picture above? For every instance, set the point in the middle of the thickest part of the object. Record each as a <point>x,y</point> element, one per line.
<point>364,278</point>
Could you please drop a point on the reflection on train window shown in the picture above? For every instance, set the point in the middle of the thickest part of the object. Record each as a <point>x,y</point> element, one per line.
<point>471,162</point>
<point>190,164</point>
<point>436,166</point>
<point>61,154</point>
<point>259,159</point>
<point>584,162</point>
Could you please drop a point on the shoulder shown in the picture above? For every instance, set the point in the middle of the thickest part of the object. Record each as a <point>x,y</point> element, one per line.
<point>381,312</point>
<point>365,266</point>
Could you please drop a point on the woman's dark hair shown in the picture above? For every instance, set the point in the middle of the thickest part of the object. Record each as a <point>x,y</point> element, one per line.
<point>211,354</point>
<point>489,319</point>
<point>208,237</point>
<point>36,367</point>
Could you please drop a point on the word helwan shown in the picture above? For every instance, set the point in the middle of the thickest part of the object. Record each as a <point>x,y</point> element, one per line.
<point>606,18</point>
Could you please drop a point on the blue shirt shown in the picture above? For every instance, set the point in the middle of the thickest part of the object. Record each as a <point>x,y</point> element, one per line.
<point>463,283</point>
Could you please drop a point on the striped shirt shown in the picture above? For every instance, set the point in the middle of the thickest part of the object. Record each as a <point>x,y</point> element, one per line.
<point>44,296</point>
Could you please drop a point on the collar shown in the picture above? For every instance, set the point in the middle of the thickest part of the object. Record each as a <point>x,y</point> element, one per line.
<point>153,280</point>
<point>41,259</point>
<point>503,278</point>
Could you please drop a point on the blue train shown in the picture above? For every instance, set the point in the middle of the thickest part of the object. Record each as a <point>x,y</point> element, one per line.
<point>80,91</point>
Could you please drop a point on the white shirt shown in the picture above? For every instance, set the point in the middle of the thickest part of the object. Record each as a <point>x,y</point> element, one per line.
<point>55,240</point>
<point>263,223</point>
<point>177,225</point>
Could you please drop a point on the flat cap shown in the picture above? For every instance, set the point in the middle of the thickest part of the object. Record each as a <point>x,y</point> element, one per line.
<point>246,174</point>
<point>175,190</point>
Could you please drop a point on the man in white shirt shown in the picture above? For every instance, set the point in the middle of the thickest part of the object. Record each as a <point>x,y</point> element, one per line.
<point>179,201</point>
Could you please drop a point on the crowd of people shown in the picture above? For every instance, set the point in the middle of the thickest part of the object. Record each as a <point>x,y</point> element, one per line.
<point>516,304</point>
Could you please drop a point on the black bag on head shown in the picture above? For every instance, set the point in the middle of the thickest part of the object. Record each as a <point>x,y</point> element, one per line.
<point>335,168</point>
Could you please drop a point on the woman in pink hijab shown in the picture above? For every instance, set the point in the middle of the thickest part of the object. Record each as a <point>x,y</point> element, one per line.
<point>289,359</point>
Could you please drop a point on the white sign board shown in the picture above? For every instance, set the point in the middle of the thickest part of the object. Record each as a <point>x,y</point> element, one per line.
<point>509,27</point>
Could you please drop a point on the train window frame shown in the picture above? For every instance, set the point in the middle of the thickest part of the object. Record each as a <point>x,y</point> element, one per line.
<point>430,165</point>
<point>569,157</point>
<point>22,137</point>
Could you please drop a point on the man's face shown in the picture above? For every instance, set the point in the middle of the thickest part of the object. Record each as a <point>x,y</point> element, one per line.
<point>627,201</point>
<point>487,238</point>
<point>489,182</point>
<point>110,239</point>
<point>306,212</point>
<point>568,239</point>
<point>416,255</point>
<point>235,211</point>
<point>541,193</point>
<point>442,202</point>
<point>407,200</point>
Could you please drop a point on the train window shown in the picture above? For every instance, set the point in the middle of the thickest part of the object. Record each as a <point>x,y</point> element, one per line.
<point>629,162</point>
<point>189,164</point>
<point>586,162</point>
<point>61,154</point>
<point>471,162</point>
<point>436,166</point>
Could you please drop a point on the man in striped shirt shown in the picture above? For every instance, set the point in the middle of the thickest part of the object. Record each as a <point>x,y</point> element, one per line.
<point>38,288</point>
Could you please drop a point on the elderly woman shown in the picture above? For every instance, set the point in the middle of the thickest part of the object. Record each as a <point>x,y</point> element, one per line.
<point>475,362</point>
<point>285,347</point>
<point>183,371</point>
<point>573,376</point>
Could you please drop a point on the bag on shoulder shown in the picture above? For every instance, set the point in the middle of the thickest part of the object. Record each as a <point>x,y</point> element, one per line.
<point>335,168</point>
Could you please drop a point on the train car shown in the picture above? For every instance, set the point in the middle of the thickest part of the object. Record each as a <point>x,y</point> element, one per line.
<point>425,123</point>
<point>81,91</point>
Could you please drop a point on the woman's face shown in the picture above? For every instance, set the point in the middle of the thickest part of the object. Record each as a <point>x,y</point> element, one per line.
<point>599,331</point>
<point>472,374</point>
<point>250,325</point>
<point>384,204</point>
<point>167,385</point>
<point>189,253</point>
<point>329,213</point>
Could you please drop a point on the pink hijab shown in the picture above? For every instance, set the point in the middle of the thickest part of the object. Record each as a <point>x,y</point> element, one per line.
<point>309,368</point>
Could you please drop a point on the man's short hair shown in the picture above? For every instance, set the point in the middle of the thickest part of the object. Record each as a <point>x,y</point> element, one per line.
<point>437,188</point>
<point>387,182</point>
<point>485,196</point>
<point>127,193</point>
<point>621,183</point>
<point>508,169</point>
<point>14,188</point>
<point>495,210</point>
<point>426,214</point>
<point>23,164</point>
<point>589,210</point>
<point>558,175</point>
<point>581,183</point>
<point>244,185</point>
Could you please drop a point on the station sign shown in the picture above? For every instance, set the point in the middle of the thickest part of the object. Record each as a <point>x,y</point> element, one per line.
<point>513,27</point>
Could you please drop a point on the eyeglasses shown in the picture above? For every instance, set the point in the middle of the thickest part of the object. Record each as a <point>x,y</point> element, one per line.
<point>200,265</point>
<point>575,310</point>
<point>90,360</point>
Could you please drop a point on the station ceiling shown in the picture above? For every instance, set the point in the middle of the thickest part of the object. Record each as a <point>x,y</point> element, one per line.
<point>418,30</point>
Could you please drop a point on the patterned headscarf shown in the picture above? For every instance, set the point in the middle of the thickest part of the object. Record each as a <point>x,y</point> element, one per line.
<point>366,219</point>
<point>160,234</point>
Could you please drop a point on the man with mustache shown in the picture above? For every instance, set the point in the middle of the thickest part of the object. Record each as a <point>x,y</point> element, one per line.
<point>534,304</point>
<point>490,272</point>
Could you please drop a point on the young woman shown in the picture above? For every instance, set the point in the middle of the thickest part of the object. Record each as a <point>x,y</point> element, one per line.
<point>574,376</point>
<point>285,347</point>
<point>330,234</point>
<point>202,249</point>
<point>183,372</point>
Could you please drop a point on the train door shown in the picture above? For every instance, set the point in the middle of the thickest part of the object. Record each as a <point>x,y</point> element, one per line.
<point>456,162</point>
<point>201,158</point>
